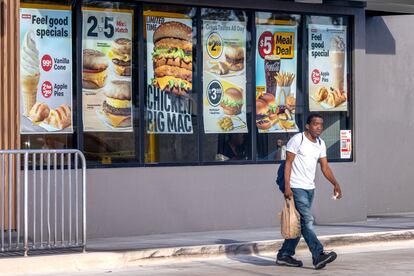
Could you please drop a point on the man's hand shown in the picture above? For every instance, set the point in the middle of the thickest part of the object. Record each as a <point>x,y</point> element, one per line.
<point>326,170</point>
<point>288,193</point>
<point>337,191</point>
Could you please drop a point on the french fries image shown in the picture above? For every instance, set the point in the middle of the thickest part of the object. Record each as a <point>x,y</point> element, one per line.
<point>284,79</point>
<point>226,123</point>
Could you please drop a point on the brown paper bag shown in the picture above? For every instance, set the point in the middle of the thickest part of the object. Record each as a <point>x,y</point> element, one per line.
<point>290,220</point>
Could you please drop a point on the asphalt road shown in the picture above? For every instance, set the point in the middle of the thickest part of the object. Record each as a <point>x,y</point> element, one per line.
<point>375,259</point>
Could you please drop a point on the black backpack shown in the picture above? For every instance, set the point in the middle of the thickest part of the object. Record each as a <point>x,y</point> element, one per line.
<point>280,179</point>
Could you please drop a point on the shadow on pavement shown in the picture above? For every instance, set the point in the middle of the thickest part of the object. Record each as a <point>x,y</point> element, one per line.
<point>245,253</point>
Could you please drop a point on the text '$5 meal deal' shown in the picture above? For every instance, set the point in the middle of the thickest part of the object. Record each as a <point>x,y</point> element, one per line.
<point>276,68</point>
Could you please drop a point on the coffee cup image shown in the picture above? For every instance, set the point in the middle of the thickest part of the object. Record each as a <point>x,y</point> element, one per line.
<point>337,61</point>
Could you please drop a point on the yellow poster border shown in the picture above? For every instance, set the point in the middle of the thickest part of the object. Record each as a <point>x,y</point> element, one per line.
<point>278,22</point>
<point>45,6</point>
<point>166,14</point>
<point>131,11</point>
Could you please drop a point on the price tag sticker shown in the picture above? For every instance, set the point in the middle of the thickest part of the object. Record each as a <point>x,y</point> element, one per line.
<point>266,44</point>
<point>46,63</point>
<point>47,89</point>
<point>214,93</point>
<point>214,45</point>
<point>316,76</point>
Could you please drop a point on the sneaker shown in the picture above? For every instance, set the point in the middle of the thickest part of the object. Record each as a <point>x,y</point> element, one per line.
<point>288,261</point>
<point>323,259</point>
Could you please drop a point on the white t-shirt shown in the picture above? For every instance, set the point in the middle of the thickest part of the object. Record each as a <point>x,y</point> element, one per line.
<point>307,156</point>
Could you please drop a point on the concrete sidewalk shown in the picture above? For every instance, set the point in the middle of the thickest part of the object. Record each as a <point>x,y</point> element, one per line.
<point>126,252</point>
<point>374,224</point>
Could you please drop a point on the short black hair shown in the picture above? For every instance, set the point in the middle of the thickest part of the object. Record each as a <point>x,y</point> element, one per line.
<point>311,116</point>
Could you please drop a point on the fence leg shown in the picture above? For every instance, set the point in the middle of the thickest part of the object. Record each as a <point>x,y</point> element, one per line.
<point>25,203</point>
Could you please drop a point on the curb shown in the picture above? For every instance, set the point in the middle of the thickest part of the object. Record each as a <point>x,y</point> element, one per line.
<point>95,261</point>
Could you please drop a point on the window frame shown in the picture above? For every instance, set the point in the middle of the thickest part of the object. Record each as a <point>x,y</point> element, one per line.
<point>139,85</point>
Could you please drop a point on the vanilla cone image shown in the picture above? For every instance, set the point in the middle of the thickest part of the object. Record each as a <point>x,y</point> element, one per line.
<point>28,86</point>
<point>29,71</point>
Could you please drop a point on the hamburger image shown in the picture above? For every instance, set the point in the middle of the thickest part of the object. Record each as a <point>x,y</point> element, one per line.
<point>95,65</point>
<point>117,106</point>
<point>172,58</point>
<point>271,101</point>
<point>121,56</point>
<point>232,101</point>
<point>262,115</point>
<point>234,57</point>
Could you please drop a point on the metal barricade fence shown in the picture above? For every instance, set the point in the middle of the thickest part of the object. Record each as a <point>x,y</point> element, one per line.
<point>42,200</point>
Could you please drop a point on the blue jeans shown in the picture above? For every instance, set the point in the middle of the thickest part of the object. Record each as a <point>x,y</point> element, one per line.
<point>303,201</point>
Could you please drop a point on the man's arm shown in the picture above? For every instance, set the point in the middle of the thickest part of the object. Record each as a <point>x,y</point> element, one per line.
<point>288,169</point>
<point>327,172</point>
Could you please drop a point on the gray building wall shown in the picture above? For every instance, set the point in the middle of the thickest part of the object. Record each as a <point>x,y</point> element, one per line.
<point>388,115</point>
<point>138,201</point>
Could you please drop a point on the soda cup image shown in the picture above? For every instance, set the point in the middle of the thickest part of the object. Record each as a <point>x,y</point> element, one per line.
<point>272,67</point>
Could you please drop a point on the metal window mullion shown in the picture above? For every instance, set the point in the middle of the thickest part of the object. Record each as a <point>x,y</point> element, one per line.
<point>199,86</point>
<point>253,132</point>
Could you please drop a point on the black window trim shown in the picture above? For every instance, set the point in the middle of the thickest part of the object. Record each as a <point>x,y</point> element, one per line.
<point>139,85</point>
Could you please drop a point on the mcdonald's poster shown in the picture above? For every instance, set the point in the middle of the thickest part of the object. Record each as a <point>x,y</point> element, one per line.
<point>276,69</point>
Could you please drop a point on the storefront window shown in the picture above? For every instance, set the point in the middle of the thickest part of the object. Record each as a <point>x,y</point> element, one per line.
<point>226,81</point>
<point>329,80</point>
<point>46,75</point>
<point>144,84</point>
<point>171,128</point>
<point>109,90</point>
<point>279,96</point>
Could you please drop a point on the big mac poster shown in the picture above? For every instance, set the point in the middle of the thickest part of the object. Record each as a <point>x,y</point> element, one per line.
<point>106,70</point>
<point>45,69</point>
<point>327,68</point>
<point>276,69</point>
<point>224,76</point>
<point>169,73</point>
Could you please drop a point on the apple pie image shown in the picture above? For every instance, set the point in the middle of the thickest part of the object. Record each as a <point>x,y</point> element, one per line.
<point>322,94</point>
<point>333,97</point>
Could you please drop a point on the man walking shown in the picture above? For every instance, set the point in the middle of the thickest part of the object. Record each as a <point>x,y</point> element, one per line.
<point>304,150</point>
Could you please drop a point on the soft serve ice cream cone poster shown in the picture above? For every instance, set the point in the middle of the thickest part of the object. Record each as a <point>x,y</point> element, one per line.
<point>45,69</point>
<point>327,68</point>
